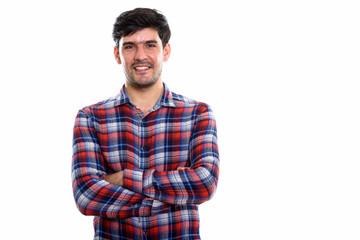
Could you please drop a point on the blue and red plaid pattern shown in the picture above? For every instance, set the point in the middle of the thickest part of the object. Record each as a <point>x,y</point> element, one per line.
<point>157,201</point>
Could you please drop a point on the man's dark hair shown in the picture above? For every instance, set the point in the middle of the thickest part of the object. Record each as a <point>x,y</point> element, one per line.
<point>134,20</point>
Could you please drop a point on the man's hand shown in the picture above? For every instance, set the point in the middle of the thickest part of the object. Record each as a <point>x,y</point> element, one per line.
<point>182,168</point>
<point>116,178</point>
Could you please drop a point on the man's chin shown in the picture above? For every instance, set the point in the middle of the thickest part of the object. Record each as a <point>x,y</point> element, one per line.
<point>143,84</point>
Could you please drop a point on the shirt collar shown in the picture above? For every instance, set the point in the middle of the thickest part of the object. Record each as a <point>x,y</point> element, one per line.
<point>167,99</point>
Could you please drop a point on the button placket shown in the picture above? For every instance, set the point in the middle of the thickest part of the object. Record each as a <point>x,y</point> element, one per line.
<point>141,144</point>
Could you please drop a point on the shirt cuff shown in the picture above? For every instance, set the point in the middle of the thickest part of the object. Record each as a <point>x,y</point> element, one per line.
<point>133,180</point>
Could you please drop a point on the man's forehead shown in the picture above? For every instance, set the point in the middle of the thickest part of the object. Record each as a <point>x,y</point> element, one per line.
<point>142,36</point>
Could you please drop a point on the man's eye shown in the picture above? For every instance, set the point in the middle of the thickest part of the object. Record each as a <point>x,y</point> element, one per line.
<point>128,47</point>
<point>151,45</point>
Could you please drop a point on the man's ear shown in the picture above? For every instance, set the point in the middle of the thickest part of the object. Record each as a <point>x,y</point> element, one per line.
<point>167,51</point>
<point>117,55</point>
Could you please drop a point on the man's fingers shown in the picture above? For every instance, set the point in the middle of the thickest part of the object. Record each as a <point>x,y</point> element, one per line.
<point>182,168</point>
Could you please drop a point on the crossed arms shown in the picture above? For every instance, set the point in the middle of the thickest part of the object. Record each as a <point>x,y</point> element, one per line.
<point>137,192</point>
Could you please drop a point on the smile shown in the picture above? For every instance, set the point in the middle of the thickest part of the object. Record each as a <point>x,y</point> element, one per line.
<point>142,68</point>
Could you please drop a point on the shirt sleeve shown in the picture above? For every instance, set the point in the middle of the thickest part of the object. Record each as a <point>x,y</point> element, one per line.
<point>189,186</point>
<point>93,195</point>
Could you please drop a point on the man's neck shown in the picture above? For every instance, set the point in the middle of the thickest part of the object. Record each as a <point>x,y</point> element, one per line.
<point>145,98</point>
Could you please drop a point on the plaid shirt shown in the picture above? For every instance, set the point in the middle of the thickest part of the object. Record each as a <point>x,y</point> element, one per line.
<point>157,201</point>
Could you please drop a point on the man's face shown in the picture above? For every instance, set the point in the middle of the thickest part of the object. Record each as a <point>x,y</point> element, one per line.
<point>142,56</point>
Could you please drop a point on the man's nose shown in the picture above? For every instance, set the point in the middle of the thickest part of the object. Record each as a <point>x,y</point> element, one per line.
<point>140,54</point>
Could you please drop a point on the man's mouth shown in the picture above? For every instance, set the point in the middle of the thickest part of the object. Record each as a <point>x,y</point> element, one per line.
<point>142,66</point>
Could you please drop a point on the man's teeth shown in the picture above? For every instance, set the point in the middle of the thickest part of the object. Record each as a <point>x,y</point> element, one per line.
<point>141,68</point>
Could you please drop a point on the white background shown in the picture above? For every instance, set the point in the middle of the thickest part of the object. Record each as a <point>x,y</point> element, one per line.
<point>281,76</point>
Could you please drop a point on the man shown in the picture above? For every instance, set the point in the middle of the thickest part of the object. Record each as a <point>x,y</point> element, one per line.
<point>144,160</point>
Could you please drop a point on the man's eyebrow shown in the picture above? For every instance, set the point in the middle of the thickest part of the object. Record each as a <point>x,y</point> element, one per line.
<point>151,41</point>
<point>143,42</point>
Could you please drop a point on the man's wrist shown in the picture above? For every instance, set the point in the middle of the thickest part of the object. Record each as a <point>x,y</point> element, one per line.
<point>116,178</point>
